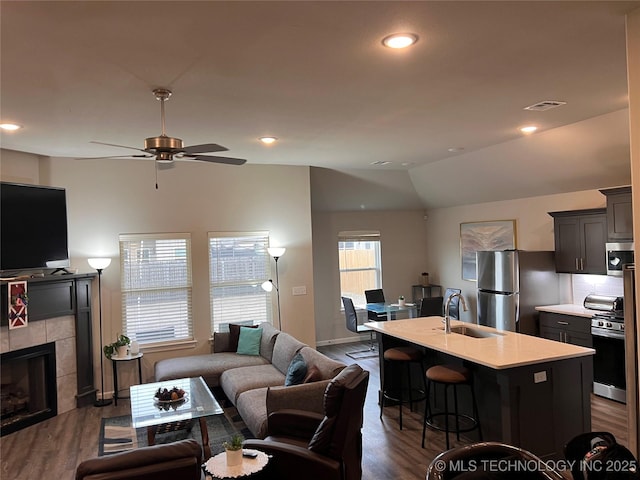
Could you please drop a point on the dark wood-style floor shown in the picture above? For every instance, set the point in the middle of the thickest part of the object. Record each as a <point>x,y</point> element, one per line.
<point>52,449</point>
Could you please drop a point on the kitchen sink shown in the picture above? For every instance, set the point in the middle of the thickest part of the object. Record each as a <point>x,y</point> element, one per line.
<point>473,332</point>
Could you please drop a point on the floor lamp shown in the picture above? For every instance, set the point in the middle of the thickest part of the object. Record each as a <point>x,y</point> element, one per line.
<point>276,253</point>
<point>100,264</point>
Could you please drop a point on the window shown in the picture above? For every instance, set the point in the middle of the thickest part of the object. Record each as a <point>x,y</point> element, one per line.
<point>360,264</point>
<point>238,264</point>
<point>156,287</point>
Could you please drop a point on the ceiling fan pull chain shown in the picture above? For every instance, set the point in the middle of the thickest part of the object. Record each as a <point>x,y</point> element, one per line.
<point>155,164</point>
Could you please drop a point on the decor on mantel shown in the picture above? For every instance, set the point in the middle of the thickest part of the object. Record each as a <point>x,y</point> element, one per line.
<point>18,301</point>
<point>100,264</point>
<point>276,253</point>
<point>492,235</point>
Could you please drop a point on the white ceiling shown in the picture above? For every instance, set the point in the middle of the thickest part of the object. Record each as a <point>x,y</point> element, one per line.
<point>315,75</point>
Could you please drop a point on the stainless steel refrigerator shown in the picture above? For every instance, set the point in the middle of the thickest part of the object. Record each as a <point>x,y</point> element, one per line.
<point>632,358</point>
<point>511,283</point>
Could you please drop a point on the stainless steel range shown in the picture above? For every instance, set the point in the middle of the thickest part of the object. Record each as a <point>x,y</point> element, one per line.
<point>607,333</point>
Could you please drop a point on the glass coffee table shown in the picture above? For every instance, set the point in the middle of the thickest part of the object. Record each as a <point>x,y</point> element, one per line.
<point>161,417</point>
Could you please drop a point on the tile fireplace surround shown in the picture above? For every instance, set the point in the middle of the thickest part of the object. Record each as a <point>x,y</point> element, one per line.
<point>60,330</point>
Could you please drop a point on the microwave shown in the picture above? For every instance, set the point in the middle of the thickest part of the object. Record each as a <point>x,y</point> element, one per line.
<point>618,254</point>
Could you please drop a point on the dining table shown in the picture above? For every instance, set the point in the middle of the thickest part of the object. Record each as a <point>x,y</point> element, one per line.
<point>393,309</point>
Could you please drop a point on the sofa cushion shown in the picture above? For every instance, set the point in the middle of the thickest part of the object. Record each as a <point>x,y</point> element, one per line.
<point>252,407</point>
<point>283,351</point>
<point>207,366</point>
<point>328,367</point>
<point>234,335</point>
<point>269,334</point>
<point>239,380</point>
<point>313,375</point>
<point>297,371</point>
<point>249,341</point>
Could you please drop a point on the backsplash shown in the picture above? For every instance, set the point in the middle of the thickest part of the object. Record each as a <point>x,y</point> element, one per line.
<point>583,285</point>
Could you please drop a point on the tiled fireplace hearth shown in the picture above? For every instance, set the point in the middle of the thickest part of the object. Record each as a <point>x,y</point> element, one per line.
<point>59,333</point>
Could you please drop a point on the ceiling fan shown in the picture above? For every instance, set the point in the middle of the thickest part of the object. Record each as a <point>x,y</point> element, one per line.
<point>166,149</point>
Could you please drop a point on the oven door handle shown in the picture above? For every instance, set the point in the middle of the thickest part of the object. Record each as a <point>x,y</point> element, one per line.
<point>602,332</point>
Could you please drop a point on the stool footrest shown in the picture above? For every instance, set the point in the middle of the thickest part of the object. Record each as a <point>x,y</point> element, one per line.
<point>473,422</point>
<point>400,392</point>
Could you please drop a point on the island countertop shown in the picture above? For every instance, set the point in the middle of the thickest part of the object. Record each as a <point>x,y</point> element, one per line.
<point>506,350</point>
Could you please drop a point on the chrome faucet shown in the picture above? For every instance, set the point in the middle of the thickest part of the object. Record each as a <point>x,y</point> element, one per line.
<point>447,318</point>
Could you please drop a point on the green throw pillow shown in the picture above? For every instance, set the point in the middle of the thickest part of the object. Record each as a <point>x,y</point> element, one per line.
<point>297,371</point>
<point>249,341</point>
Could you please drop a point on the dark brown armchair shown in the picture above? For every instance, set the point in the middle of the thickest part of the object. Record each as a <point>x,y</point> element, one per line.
<point>320,447</point>
<point>489,461</point>
<point>179,460</point>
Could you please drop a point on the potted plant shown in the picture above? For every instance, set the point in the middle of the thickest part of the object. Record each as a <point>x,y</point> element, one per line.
<point>119,347</point>
<point>401,301</point>
<point>233,449</point>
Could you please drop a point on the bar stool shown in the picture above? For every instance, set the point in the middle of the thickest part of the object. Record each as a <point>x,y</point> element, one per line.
<point>450,376</point>
<point>400,356</point>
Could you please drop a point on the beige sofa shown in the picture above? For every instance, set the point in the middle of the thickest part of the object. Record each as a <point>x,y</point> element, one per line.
<point>255,384</point>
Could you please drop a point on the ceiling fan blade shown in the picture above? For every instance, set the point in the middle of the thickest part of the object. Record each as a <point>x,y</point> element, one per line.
<point>225,160</point>
<point>116,145</point>
<point>205,148</point>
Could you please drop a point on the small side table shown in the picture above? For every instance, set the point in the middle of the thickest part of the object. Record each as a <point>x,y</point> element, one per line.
<point>114,362</point>
<point>216,466</point>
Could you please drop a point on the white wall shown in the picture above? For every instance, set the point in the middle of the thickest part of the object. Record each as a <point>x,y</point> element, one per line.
<point>403,238</point>
<point>109,197</point>
<point>534,231</point>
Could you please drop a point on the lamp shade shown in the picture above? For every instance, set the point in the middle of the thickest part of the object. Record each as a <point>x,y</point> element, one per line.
<point>99,263</point>
<point>276,251</point>
<point>267,286</point>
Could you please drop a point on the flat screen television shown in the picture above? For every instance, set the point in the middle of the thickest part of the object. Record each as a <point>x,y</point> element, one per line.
<point>33,227</point>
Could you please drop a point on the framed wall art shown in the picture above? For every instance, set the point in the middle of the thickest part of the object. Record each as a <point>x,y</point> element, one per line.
<point>493,235</point>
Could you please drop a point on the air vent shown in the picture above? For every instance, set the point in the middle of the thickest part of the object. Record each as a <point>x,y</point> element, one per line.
<point>545,105</point>
<point>380,163</point>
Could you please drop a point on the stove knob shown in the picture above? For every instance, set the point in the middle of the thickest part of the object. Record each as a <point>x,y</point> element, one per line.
<point>600,323</point>
<point>622,326</point>
<point>609,325</point>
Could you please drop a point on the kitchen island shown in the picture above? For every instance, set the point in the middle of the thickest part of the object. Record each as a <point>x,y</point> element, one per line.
<point>532,393</point>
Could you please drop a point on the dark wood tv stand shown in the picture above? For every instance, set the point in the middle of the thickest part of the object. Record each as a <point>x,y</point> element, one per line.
<point>53,296</point>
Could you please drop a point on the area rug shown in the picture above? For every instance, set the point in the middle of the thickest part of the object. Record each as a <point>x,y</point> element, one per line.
<point>117,434</point>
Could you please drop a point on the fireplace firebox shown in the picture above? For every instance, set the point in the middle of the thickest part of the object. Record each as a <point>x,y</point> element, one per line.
<point>28,393</point>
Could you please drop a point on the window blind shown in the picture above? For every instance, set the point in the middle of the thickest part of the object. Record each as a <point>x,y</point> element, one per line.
<point>156,287</point>
<point>238,265</point>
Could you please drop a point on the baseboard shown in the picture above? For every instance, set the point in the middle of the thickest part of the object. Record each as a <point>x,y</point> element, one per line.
<point>335,341</point>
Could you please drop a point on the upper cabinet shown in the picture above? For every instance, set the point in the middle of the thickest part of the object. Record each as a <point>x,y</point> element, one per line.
<point>619,214</point>
<point>580,237</point>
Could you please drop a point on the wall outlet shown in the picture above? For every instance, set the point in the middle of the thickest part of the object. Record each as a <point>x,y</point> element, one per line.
<point>299,290</point>
<point>540,377</point>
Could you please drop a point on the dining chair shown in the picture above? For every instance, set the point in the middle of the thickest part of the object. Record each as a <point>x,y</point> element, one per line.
<point>454,307</point>
<point>431,306</point>
<point>375,296</point>
<point>352,325</point>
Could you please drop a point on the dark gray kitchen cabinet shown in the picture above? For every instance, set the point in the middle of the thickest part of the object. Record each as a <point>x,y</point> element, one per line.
<point>580,237</point>
<point>619,214</point>
<point>566,328</point>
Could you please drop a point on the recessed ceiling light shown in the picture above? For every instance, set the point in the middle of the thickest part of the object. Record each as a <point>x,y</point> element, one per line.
<point>10,127</point>
<point>455,149</point>
<point>528,129</point>
<point>268,140</point>
<point>400,40</point>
